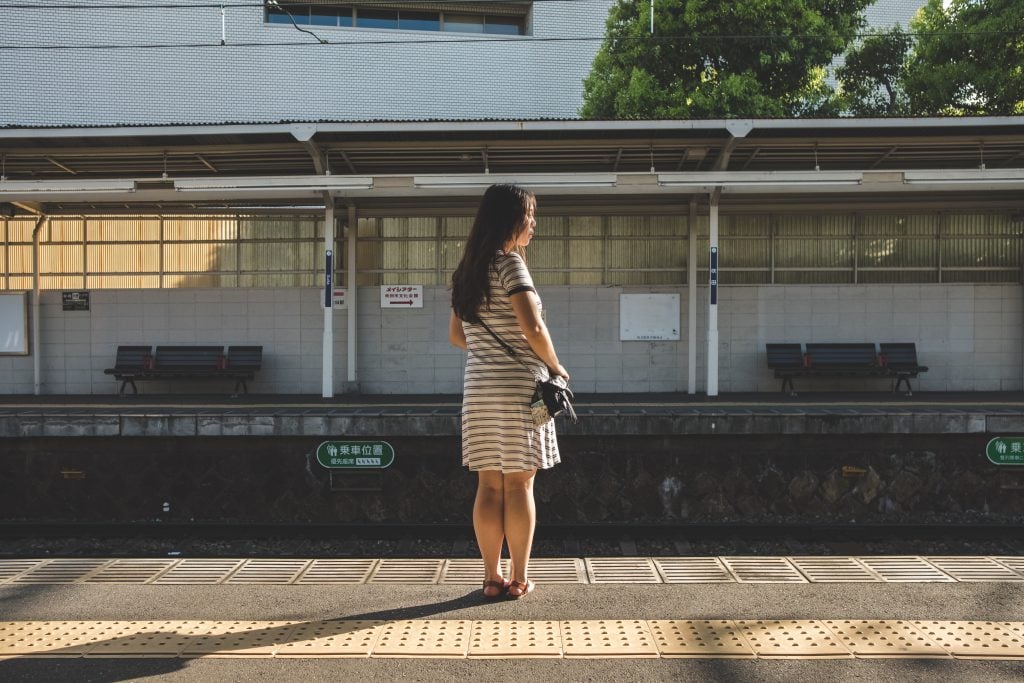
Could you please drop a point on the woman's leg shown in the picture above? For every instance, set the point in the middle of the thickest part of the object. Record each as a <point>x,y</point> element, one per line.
<point>488,523</point>
<point>520,520</point>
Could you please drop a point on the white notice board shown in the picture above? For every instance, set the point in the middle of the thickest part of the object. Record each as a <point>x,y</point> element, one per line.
<point>14,323</point>
<point>649,317</point>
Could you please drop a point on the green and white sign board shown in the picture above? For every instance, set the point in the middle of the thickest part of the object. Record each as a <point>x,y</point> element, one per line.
<point>355,455</point>
<point>1006,450</point>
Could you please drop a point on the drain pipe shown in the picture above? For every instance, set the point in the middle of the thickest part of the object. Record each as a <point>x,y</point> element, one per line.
<point>36,345</point>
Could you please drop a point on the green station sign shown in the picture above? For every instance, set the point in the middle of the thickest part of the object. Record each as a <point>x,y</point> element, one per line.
<point>355,455</point>
<point>1006,450</point>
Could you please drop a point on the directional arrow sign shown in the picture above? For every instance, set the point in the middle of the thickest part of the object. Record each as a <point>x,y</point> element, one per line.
<point>356,455</point>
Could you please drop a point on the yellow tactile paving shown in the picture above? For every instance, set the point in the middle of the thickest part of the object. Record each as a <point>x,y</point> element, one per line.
<point>607,638</point>
<point>603,638</point>
<point>331,638</point>
<point>884,638</point>
<point>710,639</point>
<point>237,638</point>
<point>143,639</point>
<point>792,638</point>
<point>445,639</point>
<point>974,639</point>
<point>519,639</point>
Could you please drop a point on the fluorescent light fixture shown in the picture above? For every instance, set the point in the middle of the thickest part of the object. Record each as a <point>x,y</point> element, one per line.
<point>41,187</point>
<point>317,183</point>
<point>532,181</point>
<point>964,176</point>
<point>785,179</point>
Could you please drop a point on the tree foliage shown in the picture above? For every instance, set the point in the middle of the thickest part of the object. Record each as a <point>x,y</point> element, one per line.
<point>968,58</point>
<point>872,75</point>
<point>713,59</point>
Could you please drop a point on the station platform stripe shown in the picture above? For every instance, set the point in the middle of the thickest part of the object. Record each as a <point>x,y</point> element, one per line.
<point>486,639</point>
<point>467,571</point>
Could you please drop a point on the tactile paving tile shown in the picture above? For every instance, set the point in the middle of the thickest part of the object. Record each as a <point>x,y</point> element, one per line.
<point>974,639</point>
<point>834,570</point>
<point>763,570</point>
<point>693,570</point>
<point>622,570</point>
<point>143,639</point>
<point>515,639</point>
<point>883,638</point>
<point>9,569</point>
<point>337,571</point>
<point>905,570</point>
<point>1014,563</point>
<point>407,571</point>
<point>792,638</point>
<point>711,639</point>
<point>448,639</point>
<point>1015,627</point>
<point>199,571</point>
<point>236,638</point>
<point>46,638</point>
<point>61,571</point>
<point>468,571</point>
<point>131,571</point>
<point>269,571</point>
<point>332,638</point>
<point>558,570</point>
<point>607,638</point>
<point>974,569</point>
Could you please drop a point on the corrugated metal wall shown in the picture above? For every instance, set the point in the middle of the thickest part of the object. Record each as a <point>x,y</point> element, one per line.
<point>285,251</point>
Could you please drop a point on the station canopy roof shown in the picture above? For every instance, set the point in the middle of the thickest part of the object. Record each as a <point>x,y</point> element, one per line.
<point>156,168</point>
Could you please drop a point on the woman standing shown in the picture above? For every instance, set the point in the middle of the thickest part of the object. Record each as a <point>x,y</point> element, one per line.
<point>492,289</point>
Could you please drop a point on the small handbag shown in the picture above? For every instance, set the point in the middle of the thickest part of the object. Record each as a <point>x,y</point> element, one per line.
<point>551,397</point>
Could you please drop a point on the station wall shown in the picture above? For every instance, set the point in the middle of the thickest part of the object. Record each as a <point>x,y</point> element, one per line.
<point>969,335</point>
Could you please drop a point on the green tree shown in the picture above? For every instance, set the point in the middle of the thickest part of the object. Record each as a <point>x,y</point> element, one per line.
<point>968,58</point>
<point>871,77</point>
<point>714,59</point>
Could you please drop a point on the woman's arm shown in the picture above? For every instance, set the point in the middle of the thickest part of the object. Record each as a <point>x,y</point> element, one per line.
<point>524,304</point>
<point>456,335</point>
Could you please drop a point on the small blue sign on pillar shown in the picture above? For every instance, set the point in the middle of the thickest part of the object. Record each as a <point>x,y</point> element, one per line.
<point>714,275</point>
<point>329,280</point>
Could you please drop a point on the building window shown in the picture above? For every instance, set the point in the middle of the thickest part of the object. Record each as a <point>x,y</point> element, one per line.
<point>487,18</point>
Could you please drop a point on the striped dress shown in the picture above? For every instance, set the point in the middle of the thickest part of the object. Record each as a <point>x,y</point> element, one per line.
<point>497,427</point>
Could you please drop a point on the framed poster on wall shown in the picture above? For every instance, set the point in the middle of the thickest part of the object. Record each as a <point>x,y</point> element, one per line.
<point>14,323</point>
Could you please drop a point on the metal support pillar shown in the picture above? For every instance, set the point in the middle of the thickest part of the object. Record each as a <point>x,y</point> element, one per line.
<point>327,388</point>
<point>691,305</point>
<point>35,344</point>
<point>352,299</point>
<point>712,355</point>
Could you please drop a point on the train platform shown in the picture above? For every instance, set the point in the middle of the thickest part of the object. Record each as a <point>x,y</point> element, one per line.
<point>750,618</point>
<point>261,415</point>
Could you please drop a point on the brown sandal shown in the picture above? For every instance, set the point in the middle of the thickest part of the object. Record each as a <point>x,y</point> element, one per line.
<point>501,586</point>
<point>523,588</point>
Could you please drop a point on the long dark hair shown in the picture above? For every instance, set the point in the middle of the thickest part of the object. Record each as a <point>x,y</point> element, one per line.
<point>501,216</point>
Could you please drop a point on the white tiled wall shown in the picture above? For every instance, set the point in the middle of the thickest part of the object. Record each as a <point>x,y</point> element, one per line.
<point>970,337</point>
